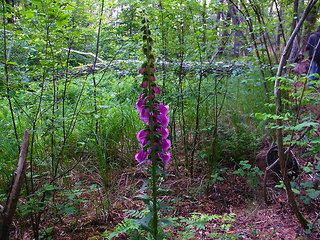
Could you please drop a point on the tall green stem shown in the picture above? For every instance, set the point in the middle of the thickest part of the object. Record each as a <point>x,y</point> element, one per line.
<point>153,150</point>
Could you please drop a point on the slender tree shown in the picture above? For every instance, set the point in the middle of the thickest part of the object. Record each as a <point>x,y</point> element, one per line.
<point>277,93</point>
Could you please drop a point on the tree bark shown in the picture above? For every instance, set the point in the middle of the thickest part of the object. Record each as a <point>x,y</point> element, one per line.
<point>295,48</point>
<point>295,51</point>
<point>12,200</point>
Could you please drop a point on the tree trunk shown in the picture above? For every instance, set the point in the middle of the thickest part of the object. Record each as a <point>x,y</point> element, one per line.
<point>280,28</point>
<point>309,26</point>
<point>295,48</point>
<point>239,38</point>
<point>225,34</point>
<point>263,35</point>
<point>7,216</point>
<point>294,51</point>
<point>181,95</point>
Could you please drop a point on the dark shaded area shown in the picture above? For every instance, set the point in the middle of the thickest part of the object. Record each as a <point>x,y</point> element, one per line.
<point>292,163</point>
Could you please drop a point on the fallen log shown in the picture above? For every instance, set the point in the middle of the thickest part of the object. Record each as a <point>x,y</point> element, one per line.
<point>218,68</point>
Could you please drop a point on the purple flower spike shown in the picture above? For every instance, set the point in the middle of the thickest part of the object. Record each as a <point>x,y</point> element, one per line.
<point>154,114</point>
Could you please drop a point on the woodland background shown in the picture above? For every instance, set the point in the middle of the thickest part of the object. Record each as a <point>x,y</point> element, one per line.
<point>69,73</point>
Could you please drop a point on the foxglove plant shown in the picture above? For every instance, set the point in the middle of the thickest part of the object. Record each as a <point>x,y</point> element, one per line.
<point>154,114</point>
<point>153,138</point>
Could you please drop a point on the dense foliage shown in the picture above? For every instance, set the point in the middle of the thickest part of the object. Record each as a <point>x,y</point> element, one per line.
<point>70,75</point>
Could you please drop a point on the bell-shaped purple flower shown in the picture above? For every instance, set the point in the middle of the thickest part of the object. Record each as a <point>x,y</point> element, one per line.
<point>144,84</point>
<point>165,157</point>
<point>162,108</point>
<point>163,120</point>
<point>156,89</point>
<point>141,136</point>
<point>140,104</point>
<point>141,156</point>
<point>142,70</point>
<point>165,144</point>
<point>164,132</point>
<point>145,114</point>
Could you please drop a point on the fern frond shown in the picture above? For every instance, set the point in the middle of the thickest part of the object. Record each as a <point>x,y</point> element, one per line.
<point>135,213</point>
<point>125,226</point>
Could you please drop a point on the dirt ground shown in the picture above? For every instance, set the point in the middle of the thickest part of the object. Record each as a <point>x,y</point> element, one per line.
<point>253,219</point>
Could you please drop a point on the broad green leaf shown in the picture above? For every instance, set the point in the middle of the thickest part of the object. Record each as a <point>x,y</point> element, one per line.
<point>70,210</point>
<point>13,63</point>
<point>313,193</point>
<point>12,93</point>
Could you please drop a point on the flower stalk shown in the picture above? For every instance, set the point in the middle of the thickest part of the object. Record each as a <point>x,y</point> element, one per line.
<point>153,138</point>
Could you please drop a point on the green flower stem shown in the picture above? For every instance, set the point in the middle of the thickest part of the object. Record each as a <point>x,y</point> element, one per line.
<point>153,150</point>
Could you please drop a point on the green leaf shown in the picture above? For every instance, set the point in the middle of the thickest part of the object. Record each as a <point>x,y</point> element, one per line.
<point>12,93</point>
<point>167,221</point>
<point>197,34</point>
<point>313,193</point>
<point>59,206</point>
<point>143,197</point>
<point>296,191</point>
<point>163,206</point>
<point>70,210</point>
<point>300,126</point>
<point>315,140</point>
<point>48,194</point>
<point>13,63</point>
<point>103,106</point>
<point>306,199</point>
<point>307,184</point>
<point>29,14</point>
<point>163,189</point>
<point>144,222</point>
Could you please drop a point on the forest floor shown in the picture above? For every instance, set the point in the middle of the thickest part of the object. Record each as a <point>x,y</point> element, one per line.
<point>251,217</point>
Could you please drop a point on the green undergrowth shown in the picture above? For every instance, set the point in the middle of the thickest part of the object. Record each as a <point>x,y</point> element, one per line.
<point>178,227</point>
